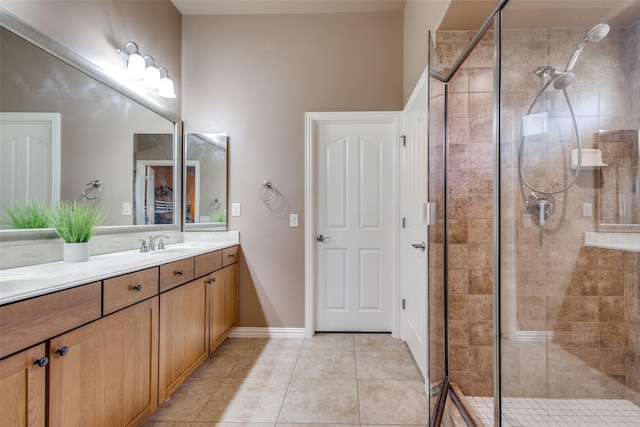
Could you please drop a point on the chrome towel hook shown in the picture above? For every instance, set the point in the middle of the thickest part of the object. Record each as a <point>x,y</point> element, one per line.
<point>95,187</point>
<point>265,191</point>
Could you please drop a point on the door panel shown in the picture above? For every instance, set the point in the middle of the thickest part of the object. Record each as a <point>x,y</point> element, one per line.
<point>355,199</point>
<point>414,231</point>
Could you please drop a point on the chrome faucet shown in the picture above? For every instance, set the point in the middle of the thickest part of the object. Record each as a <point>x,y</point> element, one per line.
<point>152,242</point>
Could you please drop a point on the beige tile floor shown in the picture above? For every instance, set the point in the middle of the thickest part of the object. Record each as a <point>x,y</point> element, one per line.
<point>330,379</point>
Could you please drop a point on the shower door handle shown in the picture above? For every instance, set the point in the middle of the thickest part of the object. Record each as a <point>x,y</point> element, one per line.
<point>419,245</point>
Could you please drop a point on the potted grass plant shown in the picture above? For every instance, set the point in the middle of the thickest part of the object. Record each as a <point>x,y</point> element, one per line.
<point>27,215</point>
<point>76,222</point>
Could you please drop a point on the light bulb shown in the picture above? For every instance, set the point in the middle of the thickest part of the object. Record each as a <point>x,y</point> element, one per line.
<point>136,66</point>
<point>166,88</point>
<point>152,77</point>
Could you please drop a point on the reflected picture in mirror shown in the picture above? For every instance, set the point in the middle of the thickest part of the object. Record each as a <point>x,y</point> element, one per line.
<point>80,131</point>
<point>205,181</point>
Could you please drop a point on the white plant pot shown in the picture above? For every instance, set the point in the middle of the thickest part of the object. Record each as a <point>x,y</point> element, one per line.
<point>75,252</point>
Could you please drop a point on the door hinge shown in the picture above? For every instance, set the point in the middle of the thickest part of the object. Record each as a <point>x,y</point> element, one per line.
<point>404,304</point>
<point>404,140</point>
<point>404,222</point>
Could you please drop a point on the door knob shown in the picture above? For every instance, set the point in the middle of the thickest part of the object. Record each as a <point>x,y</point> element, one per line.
<point>321,238</point>
<point>419,246</point>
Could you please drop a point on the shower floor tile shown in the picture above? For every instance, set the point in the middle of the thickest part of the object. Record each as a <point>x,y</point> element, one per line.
<point>528,412</point>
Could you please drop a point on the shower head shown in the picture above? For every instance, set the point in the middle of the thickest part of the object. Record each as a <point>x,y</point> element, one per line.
<point>594,35</point>
<point>597,33</point>
<point>563,80</point>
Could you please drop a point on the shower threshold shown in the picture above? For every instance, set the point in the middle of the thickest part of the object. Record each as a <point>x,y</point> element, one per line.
<point>530,412</point>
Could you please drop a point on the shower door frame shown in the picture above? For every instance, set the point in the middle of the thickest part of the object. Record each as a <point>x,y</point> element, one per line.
<point>444,389</point>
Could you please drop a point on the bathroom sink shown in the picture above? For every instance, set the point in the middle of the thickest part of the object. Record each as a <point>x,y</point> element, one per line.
<point>17,277</point>
<point>11,282</point>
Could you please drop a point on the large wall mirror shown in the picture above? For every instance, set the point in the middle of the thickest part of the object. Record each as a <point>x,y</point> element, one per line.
<point>205,181</point>
<point>68,131</point>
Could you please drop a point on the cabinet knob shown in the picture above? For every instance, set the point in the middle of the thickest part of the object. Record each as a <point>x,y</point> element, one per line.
<point>180,272</point>
<point>62,351</point>
<point>42,362</point>
<point>137,287</point>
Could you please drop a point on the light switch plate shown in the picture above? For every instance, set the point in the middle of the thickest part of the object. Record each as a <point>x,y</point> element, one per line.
<point>126,208</point>
<point>235,209</point>
<point>293,220</point>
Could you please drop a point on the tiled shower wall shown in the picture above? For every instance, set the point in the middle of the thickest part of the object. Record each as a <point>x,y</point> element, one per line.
<point>564,305</point>
<point>470,215</point>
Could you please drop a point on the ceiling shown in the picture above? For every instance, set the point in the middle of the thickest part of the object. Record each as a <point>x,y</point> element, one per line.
<point>461,14</point>
<point>228,7</point>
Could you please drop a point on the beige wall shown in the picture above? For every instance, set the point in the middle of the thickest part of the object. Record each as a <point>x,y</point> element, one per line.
<point>254,77</point>
<point>94,29</point>
<point>420,17</point>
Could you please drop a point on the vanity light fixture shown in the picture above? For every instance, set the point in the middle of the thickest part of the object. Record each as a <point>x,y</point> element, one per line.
<point>136,63</point>
<point>151,74</point>
<point>166,85</point>
<point>145,68</point>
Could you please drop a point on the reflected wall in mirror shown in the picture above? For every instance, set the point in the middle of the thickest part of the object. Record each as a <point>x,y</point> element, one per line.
<point>90,135</point>
<point>205,181</point>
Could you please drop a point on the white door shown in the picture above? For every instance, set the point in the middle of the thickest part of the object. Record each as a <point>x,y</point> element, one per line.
<point>413,196</point>
<point>355,228</point>
<point>29,157</point>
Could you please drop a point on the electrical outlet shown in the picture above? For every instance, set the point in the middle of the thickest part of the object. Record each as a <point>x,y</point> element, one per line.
<point>235,209</point>
<point>293,220</point>
<point>587,209</point>
<point>527,221</point>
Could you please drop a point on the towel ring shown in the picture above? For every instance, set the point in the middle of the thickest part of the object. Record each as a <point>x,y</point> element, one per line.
<point>215,204</point>
<point>94,185</point>
<point>265,191</point>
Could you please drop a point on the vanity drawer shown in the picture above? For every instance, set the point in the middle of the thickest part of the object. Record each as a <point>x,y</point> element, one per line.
<point>176,273</point>
<point>229,256</point>
<point>207,263</point>
<point>29,322</point>
<point>123,291</point>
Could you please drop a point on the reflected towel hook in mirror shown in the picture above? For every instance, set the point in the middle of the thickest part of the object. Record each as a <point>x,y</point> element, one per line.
<point>95,187</point>
<point>265,191</point>
<point>215,204</point>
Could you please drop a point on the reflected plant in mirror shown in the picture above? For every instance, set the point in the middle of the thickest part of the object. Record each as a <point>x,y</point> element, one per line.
<point>205,181</point>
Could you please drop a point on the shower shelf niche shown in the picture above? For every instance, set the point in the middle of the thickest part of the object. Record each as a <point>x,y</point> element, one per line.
<point>591,159</point>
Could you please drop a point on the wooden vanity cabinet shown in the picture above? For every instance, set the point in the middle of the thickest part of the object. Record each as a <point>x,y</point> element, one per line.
<point>183,334</point>
<point>105,373</point>
<point>223,304</point>
<point>23,388</point>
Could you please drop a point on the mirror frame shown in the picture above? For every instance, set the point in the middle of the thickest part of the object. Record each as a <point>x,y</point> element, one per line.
<point>24,30</point>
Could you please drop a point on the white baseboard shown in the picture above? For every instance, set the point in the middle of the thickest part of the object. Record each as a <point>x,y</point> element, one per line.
<point>265,332</point>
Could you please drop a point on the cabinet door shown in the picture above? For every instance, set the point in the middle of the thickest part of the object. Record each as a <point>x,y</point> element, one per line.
<point>183,334</point>
<point>22,389</point>
<point>104,374</point>
<point>223,304</point>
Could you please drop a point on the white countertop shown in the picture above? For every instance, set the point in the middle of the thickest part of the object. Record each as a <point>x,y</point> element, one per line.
<point>622,241</point>
<point>31,281</point>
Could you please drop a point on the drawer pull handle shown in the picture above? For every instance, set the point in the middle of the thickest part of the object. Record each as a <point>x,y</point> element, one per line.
<point>231,255</point>
<point>62,351</point>
<point>42,362</point>
<point>212,280</point>
<point>137,287</point>
<point>180,272</point>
